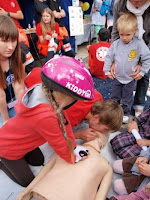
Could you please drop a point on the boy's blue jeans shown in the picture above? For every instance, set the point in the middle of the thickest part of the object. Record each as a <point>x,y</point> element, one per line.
<point>11,113</point>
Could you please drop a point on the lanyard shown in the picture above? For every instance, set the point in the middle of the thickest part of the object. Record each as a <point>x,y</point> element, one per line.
<point>9,86</point>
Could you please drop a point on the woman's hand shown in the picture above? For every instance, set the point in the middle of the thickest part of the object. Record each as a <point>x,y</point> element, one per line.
<point>54,35</point>
<point>136,72</point>
<point>138,77</point>
<point>143,142</point>
<point>132,125</point>
<point>47,37</point>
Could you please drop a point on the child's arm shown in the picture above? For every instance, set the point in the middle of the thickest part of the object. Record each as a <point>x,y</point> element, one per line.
<point>143,142</point>
<point>109,59</point>
<point>105,185</point>
<point>26,194</point>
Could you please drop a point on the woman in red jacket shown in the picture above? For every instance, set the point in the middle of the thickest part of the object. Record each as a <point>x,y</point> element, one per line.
<point>47,31</point>
<point>41,118</point>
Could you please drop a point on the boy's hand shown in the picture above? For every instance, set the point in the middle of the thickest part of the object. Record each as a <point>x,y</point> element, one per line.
<point>144,169</point>
<point>110,76</point>
<point>86,134</point>
<point>143,142</point>
<point>141,160</point>
<point>113,70</point>
<point>132,125</point>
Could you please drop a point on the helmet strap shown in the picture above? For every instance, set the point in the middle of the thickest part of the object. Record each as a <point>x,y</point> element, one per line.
<point>71,104</point>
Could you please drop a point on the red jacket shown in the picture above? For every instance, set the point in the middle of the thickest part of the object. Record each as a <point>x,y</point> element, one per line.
<point>11,6</point>
<point>32,126</point>
<point>97,53</point>
<point>80,109</point>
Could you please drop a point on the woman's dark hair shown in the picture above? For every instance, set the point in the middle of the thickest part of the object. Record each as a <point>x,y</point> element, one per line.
<point>9,31</point>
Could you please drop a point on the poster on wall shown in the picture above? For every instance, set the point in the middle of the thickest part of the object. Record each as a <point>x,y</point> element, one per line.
<point>75,2</point>
<point>75,21</point>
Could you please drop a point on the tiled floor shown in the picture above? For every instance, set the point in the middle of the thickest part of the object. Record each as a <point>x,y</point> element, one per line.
<point>82,51</point>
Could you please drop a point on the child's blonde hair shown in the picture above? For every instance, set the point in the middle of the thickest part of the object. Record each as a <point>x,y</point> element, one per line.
<point>60,115</point>
<point>45,29</point>
<point>110,113</point>
<point>127,22</point>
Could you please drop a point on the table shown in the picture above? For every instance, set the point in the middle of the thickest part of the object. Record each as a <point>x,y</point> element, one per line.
<point>30,32</point>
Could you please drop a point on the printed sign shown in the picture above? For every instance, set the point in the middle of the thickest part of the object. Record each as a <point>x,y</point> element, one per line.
<point>76,21</point>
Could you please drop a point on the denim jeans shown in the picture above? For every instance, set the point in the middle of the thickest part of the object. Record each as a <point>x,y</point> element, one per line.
<point>141,89</point>
<point>123,94</point>
<point>11,113</point>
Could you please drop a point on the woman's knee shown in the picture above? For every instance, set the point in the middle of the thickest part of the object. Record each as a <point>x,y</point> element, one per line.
<point>35,157</point>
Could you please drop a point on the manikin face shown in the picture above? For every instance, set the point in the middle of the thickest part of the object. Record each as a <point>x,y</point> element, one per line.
<point>126,36</point>
<point>7,47</point>
<point>138,3</point>
<point>46,17</point>
<point>97,126</point>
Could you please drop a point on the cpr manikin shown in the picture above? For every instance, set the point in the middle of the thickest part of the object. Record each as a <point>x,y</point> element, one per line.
<point>80,181</point>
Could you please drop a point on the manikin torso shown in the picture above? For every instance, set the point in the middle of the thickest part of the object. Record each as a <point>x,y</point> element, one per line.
<point>78,181</point>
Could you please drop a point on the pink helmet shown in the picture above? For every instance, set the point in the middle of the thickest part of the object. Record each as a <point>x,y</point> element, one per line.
<point>68,75</point>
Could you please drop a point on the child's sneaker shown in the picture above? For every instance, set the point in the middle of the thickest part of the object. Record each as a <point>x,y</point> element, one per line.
<point>138,112</point>
<point>125,119</point>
